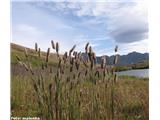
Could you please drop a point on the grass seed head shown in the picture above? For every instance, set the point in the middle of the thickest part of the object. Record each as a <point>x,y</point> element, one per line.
<point>92,64</point>
<point>77,64</point>
<point>50,87</point>
<point>59,63</point>
<point>58,73</point>
<point>94,56</point>
<point>53,45</point>
<point>79,55</point>
<point>30,68</point>
<point>65,55</point>
<point>86,72</point>
<point>18,58</point>
<point>62,69</point>
<point>97,73</point>
<point>86,47</point>
<point>26,52</point>
<point>72,49</point>
<point>39,52</point>
<point>90,50</point>
<point>35,87</point>
<point>36,47</point>
<point>47,56</point>
<point>71,60</point>
<point>26,67</point>
<point>57,49</point>
<point>103,62</point>
<point>115,78</point>
<point>71,68</point>
<point>116,48</point>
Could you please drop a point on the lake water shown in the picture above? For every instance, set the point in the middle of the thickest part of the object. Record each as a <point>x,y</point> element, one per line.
<point>138,73</point>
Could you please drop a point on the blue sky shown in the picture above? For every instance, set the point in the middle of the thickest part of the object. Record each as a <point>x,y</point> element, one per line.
<point>102,24</point>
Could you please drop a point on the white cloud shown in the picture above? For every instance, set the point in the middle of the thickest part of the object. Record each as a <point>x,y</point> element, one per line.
<point>126,21</point>
<point>27,29</point>
<point>140,46</point>
<point>120,18</point>
<point>25,34</point>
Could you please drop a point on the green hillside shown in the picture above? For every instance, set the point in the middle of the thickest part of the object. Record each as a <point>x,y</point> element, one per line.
<point>18,50</point>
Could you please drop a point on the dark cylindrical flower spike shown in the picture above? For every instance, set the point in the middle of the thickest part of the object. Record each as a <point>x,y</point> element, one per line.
<point>50,87</point>
<point>65,57</point>
<point>39,52</point>
<point>53,45</point>
<point>92,64</point>
<point>86,72</point>
<point>103,62</point>
<point>57,49</point>
<point>35,87</point>
<point>48,51</point>
<point>90,53</point>
<point>18,58</point>
<point>71,61</point>
<point>71,68</point>
<point>94,57</point>
<point>72,48</point>
<point>76,55</point>
<point>79,55</point>
<point>36,47</point>
<point>104,72</point>
<point>77,64</point>
<point>86,47</point>
<point>90,49</point>
<point>97,73</point>
<point>116,48</point>
<point>115,78</point>
<point>50,90</point>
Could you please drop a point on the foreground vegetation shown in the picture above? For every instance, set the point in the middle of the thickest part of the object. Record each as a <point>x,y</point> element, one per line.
<point>69,88</point>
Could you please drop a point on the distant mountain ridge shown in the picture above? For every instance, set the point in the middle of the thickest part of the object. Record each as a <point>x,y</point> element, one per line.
<point>130,58</point>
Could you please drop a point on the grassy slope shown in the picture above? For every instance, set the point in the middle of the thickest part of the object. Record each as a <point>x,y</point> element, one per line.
<point>19,51</point>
